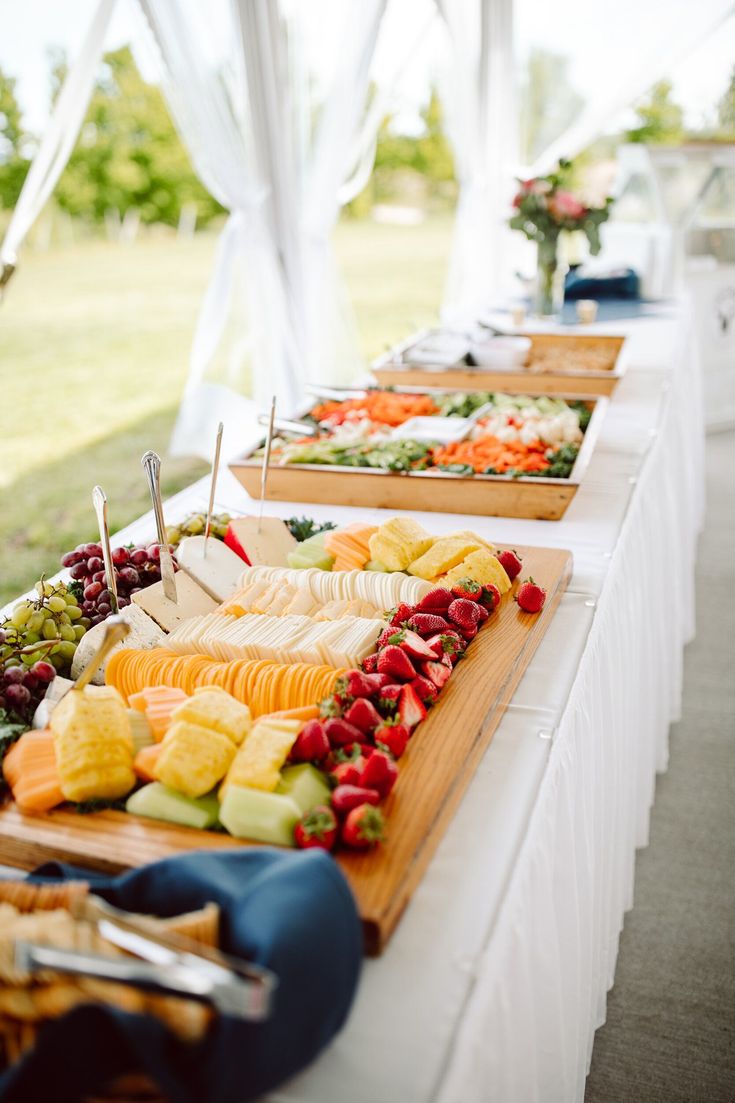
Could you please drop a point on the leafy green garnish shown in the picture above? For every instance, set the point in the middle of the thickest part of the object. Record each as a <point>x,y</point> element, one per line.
<point>85,807</point>
<point>302,528</point>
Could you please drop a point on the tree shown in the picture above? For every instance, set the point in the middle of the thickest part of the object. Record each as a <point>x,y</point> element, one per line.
<point>13,139</point>
<point>726,108</point>
<point>661,120</point>
<point>129,154</point>
<point>549,102</point>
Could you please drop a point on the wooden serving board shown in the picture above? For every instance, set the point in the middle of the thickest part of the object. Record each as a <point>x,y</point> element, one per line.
<point>533,378</point>
<point>435,771</point>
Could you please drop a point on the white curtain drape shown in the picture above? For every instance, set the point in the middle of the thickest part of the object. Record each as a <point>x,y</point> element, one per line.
<point>58,140</point>
<point>274,139</point>
<point>478,92</point>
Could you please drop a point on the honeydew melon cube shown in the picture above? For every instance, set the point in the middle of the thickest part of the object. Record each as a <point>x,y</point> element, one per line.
<point>305,785</point>
<point>375,565</point>
<point>309,554</point>
<point>160,802</point>
<point>260,816</point>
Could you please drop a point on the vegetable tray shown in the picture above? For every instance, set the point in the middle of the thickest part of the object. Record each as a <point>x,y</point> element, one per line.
<point>556,366</point>
<point>436,769</point>
<point>432,490</point>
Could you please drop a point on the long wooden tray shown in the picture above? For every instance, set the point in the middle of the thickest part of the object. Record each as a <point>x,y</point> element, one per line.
<point>533,378</point>
<point>435,491</point>
<point>435,771</point>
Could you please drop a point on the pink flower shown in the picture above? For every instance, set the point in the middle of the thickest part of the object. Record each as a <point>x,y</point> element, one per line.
<point>564,205</point>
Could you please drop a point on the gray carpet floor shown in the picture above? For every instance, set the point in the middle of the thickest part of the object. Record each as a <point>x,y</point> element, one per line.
<point>670,1030</point>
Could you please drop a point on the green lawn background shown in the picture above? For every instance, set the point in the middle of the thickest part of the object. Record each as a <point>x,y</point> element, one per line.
<point>94,345</point>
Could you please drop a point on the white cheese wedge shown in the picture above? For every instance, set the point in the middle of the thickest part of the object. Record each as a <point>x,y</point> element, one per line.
<point>218,572</point>
<point>192,601</point>
<point>265,542</point>
<point>144,634</point>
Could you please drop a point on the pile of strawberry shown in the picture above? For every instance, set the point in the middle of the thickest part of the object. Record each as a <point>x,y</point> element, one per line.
<point>366,724</point>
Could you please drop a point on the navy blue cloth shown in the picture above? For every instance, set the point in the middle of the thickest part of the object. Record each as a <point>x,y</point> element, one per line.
<point>622,284</point>
<point>292,912</point>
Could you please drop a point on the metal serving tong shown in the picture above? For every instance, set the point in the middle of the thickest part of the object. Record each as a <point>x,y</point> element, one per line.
<point>116,629</point>
<point>165,963</point>
<point>151,462</point>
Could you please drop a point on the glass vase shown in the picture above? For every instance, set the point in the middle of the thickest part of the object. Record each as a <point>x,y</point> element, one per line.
<point>548,298</point>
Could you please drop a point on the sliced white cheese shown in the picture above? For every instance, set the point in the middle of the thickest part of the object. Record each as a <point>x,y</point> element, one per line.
<point>218,571</point>
<point>192,601</point>
<point>267,541</point>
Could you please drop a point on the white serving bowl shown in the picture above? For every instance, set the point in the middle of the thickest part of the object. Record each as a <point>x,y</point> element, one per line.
<point>501,352</point>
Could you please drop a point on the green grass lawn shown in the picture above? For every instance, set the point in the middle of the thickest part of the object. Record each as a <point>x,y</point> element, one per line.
<point>94,344</point>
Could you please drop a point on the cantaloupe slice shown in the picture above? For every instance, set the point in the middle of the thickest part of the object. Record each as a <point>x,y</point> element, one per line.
<point>31,772</point>
<point>158,703</point>
<point>145,761</point>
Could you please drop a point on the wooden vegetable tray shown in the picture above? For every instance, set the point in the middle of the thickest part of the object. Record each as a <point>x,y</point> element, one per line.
<point>431,491</point>
<point>435,771</point>
<point>533,378</point>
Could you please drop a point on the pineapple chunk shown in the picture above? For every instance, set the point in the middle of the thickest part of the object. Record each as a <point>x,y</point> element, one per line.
<point>483,567</point>
<point>471,538</point>
<point>399,542</point>
<point>213,707</point>
<point>193,758</point>
<point>442,556</point>
<point>257,764</point>
<point>94,746</point>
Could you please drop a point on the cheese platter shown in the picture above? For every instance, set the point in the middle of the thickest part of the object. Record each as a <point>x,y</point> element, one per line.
<point>552,363</point>
<point>491,453</point>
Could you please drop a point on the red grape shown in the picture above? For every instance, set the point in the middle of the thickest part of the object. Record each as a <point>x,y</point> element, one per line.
<point>123,602</point>
<point>78,571</point>
<point>92,592</point>
<point>138,557</point>
<point>95,564</point>
<point>71,559</point>
<point>99,576</point>
<point>153,551</point>
<point>17,696</point>
<point>43,671</point>
<point>92,549</point>
<point>120,556</point>
<point>104,609</point>
<point>13,675</point>
<point>30,681</point>
<point>129,576</point>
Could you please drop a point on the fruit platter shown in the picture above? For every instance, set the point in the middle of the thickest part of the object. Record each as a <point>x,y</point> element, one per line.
<point>477,452</point>
<point>302,685</point>
<point>555,363</point>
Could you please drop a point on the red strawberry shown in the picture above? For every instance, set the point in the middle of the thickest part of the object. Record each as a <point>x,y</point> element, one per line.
<point>312,743</point>
<point>364,827</point>
<point>364,715</point>
<point>394,661</point>
<point>490,597</point>
<point>425,689</point>
<point>484,613</point>
<point>356,684</point>
<point>348,773</point>
<point>330,706</point>
<point>370,664</point>
<point>448,643</point>
<point>469,633</point>
<point>427,624</point>
<point>415,646</point>
<point>316,828</point>
<point>511,563</point>
<point>400,613</point>
<point>379,772</point>
<point>530,596</point>
<point>437,672</point>
<point>410,709</point>
<point>392,737</point>
<point>437,600</point>
<point>340,731</point>
<point>389,636</point>
<point>347,797</point>
<point>388,700</point>
<point>467,588</point>
<point>465,614</point>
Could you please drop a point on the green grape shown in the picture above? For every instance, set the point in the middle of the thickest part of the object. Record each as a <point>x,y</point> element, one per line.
<point>31,637</point>
<point>50,631</point>
<point>66,650</point>
<point>62,618</point>
<point>173,534</point>
<point>44,589</point>
<point>57,661</point>
<point>70,599</point>
<point>35,621</point>
<point>85,622</point>
<point>56,604</point>
<point>67,633</point>
<point>78,630</point>
<point>27,660</point>
<point>21,614</point>
<point>73,612</point>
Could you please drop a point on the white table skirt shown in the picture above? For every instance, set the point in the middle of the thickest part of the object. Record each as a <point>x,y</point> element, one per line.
<point>496,978</point>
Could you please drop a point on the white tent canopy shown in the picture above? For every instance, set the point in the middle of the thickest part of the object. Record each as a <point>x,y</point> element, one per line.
<point>282,136</point>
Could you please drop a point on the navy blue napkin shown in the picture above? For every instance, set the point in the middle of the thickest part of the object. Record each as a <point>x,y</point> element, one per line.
<point>620,284</point>
<point>291,912</point>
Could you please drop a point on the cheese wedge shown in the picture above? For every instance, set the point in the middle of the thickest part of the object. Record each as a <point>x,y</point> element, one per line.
<point>260,542</point>
<point>218,571</point>
<point>192,601</point>
<point>144,635</point>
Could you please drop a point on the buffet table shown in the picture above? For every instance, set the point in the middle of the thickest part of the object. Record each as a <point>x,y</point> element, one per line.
<point>496,978</point>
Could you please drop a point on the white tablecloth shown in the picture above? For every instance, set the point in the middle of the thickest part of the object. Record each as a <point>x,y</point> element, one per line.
<point>496,978</point>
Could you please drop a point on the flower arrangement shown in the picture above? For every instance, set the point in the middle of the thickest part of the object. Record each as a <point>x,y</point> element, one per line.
<point>544,207</point>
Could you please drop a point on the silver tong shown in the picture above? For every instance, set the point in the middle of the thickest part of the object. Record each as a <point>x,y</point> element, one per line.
<point>151,462</point>
<point>116,629</point>
<point>99,501</point>
<point>164,963</point>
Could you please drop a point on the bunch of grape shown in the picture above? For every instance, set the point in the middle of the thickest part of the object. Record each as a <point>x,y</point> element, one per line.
<point>38,639</point>
<point>135,568</point>
<point>195,524</point>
